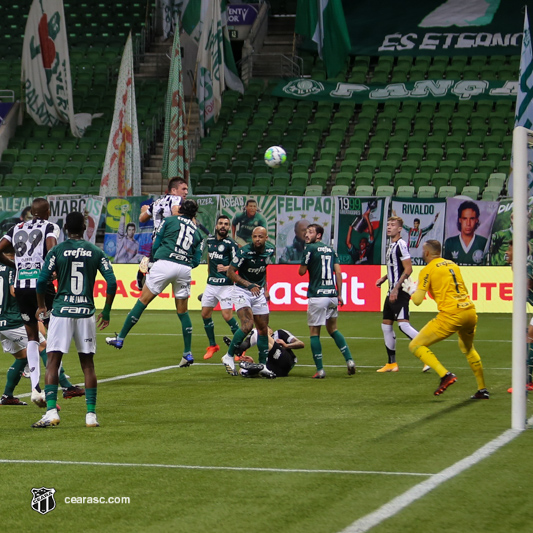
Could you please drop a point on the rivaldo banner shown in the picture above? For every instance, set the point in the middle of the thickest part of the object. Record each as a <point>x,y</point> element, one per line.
<point>422,220</point>
<point>423,90</point>
<point>360,224</point>
<point>435,27</point>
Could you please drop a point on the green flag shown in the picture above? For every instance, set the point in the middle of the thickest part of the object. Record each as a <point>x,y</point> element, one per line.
<point>323,21</point>
<point>175,144</point>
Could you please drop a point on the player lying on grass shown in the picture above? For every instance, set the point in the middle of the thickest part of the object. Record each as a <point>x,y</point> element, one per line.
<point>457,314</point>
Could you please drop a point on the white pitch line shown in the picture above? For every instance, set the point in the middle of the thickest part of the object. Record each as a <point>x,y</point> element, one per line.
<point>418,491</point>
<point>230,468</point>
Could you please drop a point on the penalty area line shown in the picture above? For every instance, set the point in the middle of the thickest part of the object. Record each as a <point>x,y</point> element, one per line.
<point>201,467</point>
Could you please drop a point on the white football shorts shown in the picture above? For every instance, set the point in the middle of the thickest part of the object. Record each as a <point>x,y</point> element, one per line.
<point>15,340</point>
<point>214,294</point>
<point>62,330</point>
<point>321,309</point>
<point>164,272</point>
<point>244,298</point>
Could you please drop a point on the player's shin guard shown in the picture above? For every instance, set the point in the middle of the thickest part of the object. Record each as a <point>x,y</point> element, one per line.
<point>32,352</point>
<point>428,358</point>
<point>477,367</point>
<point>90,400</point>
<point>407,330</point>
<point>186,328</point>
<point>236,341</point>
<point>340,341</point>
<point>390,341</point>
<point>232,323</point>
<point>262,346</point>
<point>209,327</point>
<point>50,393</point>
<point>316,349</point>
<point>132,319</point>
<point>14,374</point>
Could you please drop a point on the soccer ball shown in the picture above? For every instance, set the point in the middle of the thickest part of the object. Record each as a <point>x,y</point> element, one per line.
<point>275,156</point>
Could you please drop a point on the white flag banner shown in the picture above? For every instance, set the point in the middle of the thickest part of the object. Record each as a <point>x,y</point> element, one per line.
<point>121,175</point>
<point>46,67</point>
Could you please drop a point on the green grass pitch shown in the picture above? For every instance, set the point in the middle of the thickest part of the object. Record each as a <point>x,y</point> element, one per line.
<point>286,455</point>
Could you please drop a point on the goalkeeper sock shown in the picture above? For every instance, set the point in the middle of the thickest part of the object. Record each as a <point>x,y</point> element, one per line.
<point>316,350</point>
<point>407,330</point>
<point>90,400</point>
<point>477,367</point>
<point>236,341</point>
<point>133,317</point>
<point>340,341</point>
<point>390,341</point>
<point>428,358</point>
<point>209,327</point>
<point>232,323</point>
<point>262,346</point>
<point>186,328</point>
<point>50,393</point>
<point>14,373</point>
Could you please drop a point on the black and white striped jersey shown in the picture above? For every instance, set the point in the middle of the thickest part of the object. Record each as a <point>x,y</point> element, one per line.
<point>162,208</point>
<point>396,253</point>
<point>29,242</point>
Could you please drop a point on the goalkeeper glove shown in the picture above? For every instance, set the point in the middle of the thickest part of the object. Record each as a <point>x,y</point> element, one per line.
<point>409,286</point>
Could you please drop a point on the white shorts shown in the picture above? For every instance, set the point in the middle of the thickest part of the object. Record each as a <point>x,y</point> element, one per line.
<point>62,330</point>
<point>321,309</point>
<point>214,294</point>
<point>244,298</point>
<point>164,272</point>
<point>14,340</point>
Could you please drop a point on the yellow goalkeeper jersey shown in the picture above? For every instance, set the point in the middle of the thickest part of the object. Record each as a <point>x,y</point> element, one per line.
<point>443,279</point>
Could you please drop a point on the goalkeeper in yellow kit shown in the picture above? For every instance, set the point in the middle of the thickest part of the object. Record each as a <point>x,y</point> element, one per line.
<point>457,314</point>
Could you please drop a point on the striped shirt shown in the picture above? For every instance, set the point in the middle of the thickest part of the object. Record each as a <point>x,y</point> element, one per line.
<point>29,242</point>
<point>162,208</point>
<point>396,253</point>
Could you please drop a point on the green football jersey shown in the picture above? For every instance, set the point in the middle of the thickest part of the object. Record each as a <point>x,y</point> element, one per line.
<point>9,310</point>
<point>246,225</point>
<point>501,241</point>
<point>220,252</point>
<point>178,240</point>
<point>76,263</point>
<point>252,265</point>
<point>319,259</point>
<point>473,254</point>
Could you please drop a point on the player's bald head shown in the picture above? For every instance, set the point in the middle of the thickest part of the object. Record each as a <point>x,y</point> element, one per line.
<point>433,247</point>
<point>40,208</point>
<point>259,237</point>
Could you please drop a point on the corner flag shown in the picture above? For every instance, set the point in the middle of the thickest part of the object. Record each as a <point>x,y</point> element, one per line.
<point>524,104</point>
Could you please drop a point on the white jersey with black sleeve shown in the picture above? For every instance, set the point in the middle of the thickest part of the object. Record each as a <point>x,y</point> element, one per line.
<point>162,208</point>
<point>29,242</point>
<point>396,253</point>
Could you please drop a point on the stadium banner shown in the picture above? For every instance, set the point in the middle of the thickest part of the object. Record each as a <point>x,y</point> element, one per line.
<point>434,27</point>
<point>360,226</point>
<point>294,214</point>
<point>422,90</point>
<point>12,211</point>
<point>90,206</point>
<point>46,67</point>
<point>422,220</point>
<point>468,230</point>
<point>248,212</point>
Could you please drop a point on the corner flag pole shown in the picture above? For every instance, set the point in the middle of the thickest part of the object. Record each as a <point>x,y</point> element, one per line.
<point>520,252</point>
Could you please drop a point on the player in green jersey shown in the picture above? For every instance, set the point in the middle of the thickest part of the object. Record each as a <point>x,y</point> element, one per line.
<point>325,296</point>
<point>246,222</point>
<point>248,272</point>
<point>177,250</point>
<point>221,249</point>
<point>76,263</point>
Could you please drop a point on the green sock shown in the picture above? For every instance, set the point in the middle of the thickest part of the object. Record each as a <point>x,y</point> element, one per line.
<point>14,373</point>
<point>90,400</point>
<point>238,337</point>
<point>210,331</point>
<point>232,323</point>
<point>186,328</point>
<point>132,319</point>
<point>338,337</point>
<point>529,363</point>
<point>262,346</point>
<point>50,393</point>
<point>316,349</point>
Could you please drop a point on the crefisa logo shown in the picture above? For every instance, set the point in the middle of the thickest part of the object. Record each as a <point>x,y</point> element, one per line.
<point>43,500</point>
